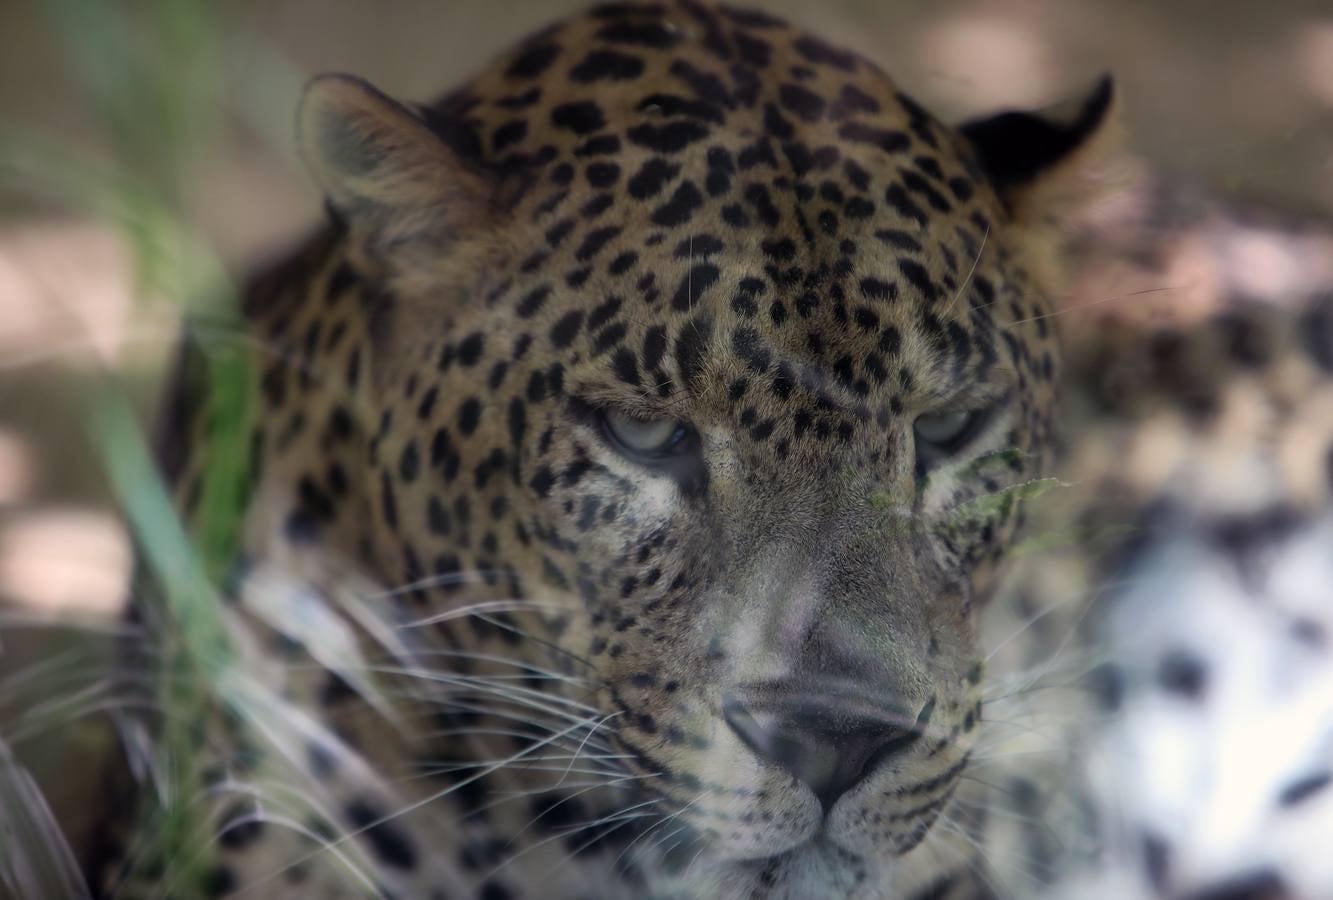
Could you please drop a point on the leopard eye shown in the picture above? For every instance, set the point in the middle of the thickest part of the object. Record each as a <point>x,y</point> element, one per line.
<point>938,434</point>
<point>645,439</point>
<point>942,428</point>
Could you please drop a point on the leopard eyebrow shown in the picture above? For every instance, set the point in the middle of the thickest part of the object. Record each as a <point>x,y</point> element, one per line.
<point>585,398</point>
<point>997,387</point>
<point>993,391</point>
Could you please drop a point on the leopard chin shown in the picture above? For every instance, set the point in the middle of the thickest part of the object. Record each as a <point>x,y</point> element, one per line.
<point>815,868</point>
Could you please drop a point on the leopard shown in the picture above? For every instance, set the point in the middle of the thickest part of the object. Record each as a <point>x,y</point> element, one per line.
<point>1167,657</point>
<point>627,459</point>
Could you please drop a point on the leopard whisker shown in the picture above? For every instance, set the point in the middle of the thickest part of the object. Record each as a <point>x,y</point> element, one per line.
<point>583,787</point>
<point>484,695</point>
<point>621,817</point>
<point>522,716</point>
<point>497,732</point>
<point>23,732</point>
<point>507,732</point>
<point>520,767</point>
<point>1031,621</point>
<point>586,738</point>
<point>616,824</point>
<point>970,272</point>
<point>525,697</point>
<point>946,826</point>
<point>489,606</point>
<point>1098,302</point>
<point>426,800</point>
<point>679,812</point>
<point>542,642</point>
<point>448,579</point>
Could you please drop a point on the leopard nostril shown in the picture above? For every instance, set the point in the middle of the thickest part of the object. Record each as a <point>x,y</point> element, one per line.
<point>830,750</point>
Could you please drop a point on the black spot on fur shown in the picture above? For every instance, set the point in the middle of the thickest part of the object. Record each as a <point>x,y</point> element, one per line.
<point>886,139</point>
<point>897,197</point>
<point>607,65</point>
<point>671,137</point>
<point>469,415</point>
<point>601,145</point>
<point>532,302</point>
<point>696,282</point>
<point>593,243</point>
<point>623,262</point>
<point>801,101</point>
<point>533,61</point>
<point>390,845</point>
<point>242,826</point>
<point>652,176</point>
<point>753,51</point>
<point>1303,789</point>
<point>521,100</point>
<point>668,105</point>
<point>582,117</point>
<point>508,134</point>
<point>820,53</point>
<point>566,329</point>
<point>750,348</point>
<point>470,349</point>
<point>654,347</point>
<point>602,174</point>
<point>680,207</point>
<point>876,289</point>
<point>1181,672</point>
<point>642,34</point>
<point>852,100</point>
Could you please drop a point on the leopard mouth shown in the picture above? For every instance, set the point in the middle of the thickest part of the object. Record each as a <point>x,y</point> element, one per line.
<point>816,867</point>
<point>695,851</point>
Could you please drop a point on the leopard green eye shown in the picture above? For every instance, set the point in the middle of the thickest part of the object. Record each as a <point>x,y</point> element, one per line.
<point>942,429</point>
<point>642,438</point>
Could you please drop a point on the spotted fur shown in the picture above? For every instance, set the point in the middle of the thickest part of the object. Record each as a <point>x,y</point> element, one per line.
<point>496,656</point>
<point>1169,672</point>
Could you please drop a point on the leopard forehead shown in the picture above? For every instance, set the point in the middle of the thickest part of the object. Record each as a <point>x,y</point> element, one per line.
<point>693,191</point>
<point>707,214</point>
<point>631,82</point>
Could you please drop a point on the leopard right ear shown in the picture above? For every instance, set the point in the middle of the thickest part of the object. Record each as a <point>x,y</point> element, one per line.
<point>1046,164</point>
<point>383,170</point>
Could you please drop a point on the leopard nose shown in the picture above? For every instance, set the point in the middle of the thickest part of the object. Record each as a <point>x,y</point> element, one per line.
<point>830,746</point>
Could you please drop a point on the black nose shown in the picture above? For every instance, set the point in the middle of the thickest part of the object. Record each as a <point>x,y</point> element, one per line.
<point>828,744</point>
<point>1262,884</point>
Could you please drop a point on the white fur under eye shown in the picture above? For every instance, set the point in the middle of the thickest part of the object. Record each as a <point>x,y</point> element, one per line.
<point>939,429</point>
<point>646,436</point>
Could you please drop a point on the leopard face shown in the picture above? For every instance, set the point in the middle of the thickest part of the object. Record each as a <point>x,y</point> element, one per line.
<point>681,360</point>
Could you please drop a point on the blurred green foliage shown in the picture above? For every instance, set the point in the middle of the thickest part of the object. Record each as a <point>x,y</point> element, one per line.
<point>150,71</point>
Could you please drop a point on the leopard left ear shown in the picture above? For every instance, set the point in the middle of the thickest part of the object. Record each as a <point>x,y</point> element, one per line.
<point>1048,163</point>
<point>384,171</point>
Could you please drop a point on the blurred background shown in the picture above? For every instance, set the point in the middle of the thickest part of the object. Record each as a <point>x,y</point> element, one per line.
<point>146,161</point>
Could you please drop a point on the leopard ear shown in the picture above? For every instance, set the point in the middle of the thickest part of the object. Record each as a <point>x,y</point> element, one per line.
<point>383,170</point>
<point>1048,163</point>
